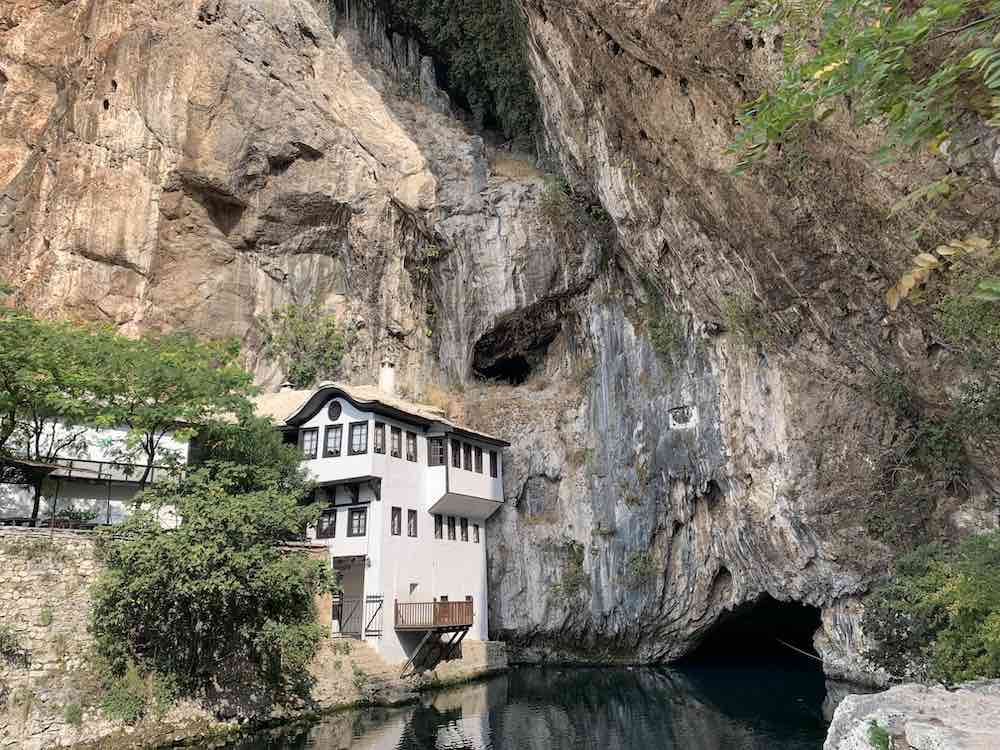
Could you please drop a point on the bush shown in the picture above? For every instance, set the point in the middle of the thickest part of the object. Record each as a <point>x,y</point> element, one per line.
<point>217,592</point>
<point>939,616</point>
<point>554,201</point>
<point>11,650</point>
<point>878,737</point>
<point>573,579</point>
<point>45,617</point>
<point>125,696</point>
<point>305,341</point>
<point>640,568</point>
<point>666,333</point>
<point>73,714</point>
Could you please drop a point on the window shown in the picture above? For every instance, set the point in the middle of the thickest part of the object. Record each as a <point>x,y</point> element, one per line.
<point>479,460</point>
<point>438,527</point>
<point>436,452</point>
<point>467,450</point>
<point>493,464</point>
<point>451,528</point>
<point>326,527</point>
<point>456,454</point>
<point>465,529</point>
<point>411,446</point>
<point>379,438</point>
<point>359,438</point>
<point>411,523</point>
<point>396,450</point>
<point>357,522</point>
<point>332,440</point>
<point>308,440</point>
<point>396,525</point>
<point>475,533</point>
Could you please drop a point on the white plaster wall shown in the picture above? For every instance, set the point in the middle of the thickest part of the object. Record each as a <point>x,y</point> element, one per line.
<point>464,482</point>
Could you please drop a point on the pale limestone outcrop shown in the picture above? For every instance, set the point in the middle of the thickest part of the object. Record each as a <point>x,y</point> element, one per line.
<point>920,717</point>
<point>166,163</point>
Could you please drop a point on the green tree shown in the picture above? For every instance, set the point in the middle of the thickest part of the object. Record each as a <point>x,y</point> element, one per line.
<point>305,341</point>
<point>169,385</point>
<point>48,388</point>
<point>219,592</point>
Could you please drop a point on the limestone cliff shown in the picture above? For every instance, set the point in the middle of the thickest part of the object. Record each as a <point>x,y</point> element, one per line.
<point>167,163</point>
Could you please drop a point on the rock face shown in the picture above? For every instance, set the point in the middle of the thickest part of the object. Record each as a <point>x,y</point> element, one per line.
<point>688,356</point>
<point>921,718</point>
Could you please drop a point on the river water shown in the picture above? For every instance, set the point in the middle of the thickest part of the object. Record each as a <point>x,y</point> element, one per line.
<point>705,707</point>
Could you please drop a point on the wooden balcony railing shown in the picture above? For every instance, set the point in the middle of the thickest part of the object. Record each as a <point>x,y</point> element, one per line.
<point>430,615</point>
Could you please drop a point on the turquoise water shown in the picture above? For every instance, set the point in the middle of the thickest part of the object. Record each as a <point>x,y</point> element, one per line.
<point>706,707</point>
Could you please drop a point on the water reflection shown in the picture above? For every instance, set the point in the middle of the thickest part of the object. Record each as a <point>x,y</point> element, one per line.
<point>707,708</point>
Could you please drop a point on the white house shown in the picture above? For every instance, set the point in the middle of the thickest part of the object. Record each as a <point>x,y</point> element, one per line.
<point>96,474</point>
<point>408,494</point>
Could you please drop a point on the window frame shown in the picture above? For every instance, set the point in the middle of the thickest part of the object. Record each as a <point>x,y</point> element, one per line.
<point>396,442</point>
<point>438,526</point>
<point>411,439</point>
<point>330,531</point>
<point>396,521</point>
<point>475,533</point>
<point>411,523</point>
<point>467,456</point>
<point>314,432</point>
<point>477,456</point>
<point>451,528</point>
<point>456,454</point>
<point>333,428</point>
<point>437,451</point>
<point>463,524</point>
<point>494,464</point>
<point>353,513</point>
<point>350,438</point>
<point>378,446</point>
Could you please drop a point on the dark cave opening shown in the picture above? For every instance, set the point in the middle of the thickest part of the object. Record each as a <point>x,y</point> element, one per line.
<point>765,631</point>
<point>514,370</point>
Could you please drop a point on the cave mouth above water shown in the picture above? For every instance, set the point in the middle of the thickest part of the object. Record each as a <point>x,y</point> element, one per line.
<point>765,631</point>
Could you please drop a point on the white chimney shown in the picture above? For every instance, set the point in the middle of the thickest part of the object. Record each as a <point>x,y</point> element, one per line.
<point>387,378</point>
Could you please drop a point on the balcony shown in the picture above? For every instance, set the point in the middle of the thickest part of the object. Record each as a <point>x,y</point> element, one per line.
<point>433,615</point>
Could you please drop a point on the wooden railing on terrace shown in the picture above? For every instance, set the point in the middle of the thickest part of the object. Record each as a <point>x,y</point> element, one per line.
<point>430,615</point>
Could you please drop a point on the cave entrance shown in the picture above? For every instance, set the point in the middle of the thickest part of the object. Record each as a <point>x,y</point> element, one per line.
<point>514,370</point>
<point>763,632</point>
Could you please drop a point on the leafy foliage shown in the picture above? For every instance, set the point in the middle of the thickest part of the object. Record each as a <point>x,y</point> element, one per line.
<point>916,67</point>
<point>878,737</point>
<point>218,592</point>
<point>305,342</point>
<point>73,714</point>
<point>573,578</point>
<point>666,332</point>
<point>948,255</point>
<point>940,613</point>
<point>640,568</point>
<point>482,48</point>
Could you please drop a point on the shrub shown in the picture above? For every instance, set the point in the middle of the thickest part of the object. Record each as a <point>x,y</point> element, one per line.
<point>878,737</point>
<point>573,579</point>
<point>125,696</point>
<point>640,568</point>
<point>940,614</point>
<point>217,591</point>
<point>73,714</point>
<point>666,333</point>
<point>11,650</point>
<point>305,341</point>
<point>748,320</point>
<point>45,617</point>
<point>554,201</point>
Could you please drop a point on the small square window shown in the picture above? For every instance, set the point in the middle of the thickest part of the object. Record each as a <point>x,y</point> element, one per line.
<point>438,527</point>
<point>357,522</point>
<point>396,523</point>
<point>465,529</point>
<point>379,438</point>
<point>308,442</point>
<point>494,464</point>
<point>467,452</point>
<point>411,446</point>
<point>396,449</point>
<point>451,528</point>
<point>359,438</point>
<point>332,440</point>
<point>456,454</point>
<point>411,523</point>
<point>475,533</point>
<point>326,527</point>
<point>479,460</point>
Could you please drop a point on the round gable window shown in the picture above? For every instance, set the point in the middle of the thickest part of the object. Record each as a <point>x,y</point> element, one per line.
<point>333,411</point>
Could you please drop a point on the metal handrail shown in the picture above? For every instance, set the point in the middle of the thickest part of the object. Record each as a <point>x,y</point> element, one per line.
<point>108,471</point>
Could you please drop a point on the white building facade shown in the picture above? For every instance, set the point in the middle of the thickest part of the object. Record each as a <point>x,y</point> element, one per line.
<point>407,495</point>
